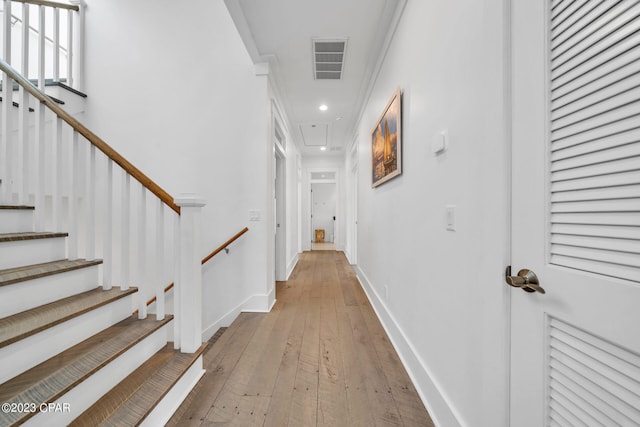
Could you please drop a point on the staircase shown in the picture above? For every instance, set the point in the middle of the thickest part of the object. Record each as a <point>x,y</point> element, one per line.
<point>86,239</point>
<point>72,352</point>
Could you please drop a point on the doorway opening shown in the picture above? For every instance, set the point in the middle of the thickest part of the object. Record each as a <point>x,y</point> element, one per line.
<point>324,197</point>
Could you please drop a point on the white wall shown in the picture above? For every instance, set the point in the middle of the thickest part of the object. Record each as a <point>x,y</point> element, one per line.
<point>173,90</point>
<point>447,301</point>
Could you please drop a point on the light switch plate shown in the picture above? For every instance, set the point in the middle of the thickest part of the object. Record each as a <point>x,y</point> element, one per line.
<point>440,142</point>
<point>254,215</point>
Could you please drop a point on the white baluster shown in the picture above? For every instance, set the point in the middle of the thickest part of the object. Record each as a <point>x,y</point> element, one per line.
<point>38,166</point>
<point>7,89</point>
<point>108,230</point>
<point>56,182</point>
<point>159,286</point>
<point>189,284</point>
<point>23,114</point>
<point>41,46</point>
<point>74,170</point>
<point>125,240</point>
<point>177,326</point>
<point>142,254</point>
<point>56,44</point>
<point>91,190</point>
<point>70,75</point>
<point>78,47</point>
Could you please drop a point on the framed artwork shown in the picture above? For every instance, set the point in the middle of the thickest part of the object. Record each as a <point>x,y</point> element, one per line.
<point>386,143</point>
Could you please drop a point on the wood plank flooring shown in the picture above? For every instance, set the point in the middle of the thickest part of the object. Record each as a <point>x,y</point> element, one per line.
<point>319,358</point>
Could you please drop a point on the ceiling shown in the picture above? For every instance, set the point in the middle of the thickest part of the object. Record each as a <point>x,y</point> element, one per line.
<point>281,33</point>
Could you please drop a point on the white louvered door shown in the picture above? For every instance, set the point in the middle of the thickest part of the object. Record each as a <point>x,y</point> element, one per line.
<point>575,351</point>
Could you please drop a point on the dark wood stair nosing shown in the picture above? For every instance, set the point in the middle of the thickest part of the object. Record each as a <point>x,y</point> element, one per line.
<point>39,271</point>
<point>16,207</point>
<point>54,322</point>
<point>30,235</point>
<point>110,333</point>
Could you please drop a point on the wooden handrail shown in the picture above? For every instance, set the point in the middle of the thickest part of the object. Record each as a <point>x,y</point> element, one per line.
<point>224,245</point>
<point>205,259</point>
<point>51,4</point>
<point>91,137</point>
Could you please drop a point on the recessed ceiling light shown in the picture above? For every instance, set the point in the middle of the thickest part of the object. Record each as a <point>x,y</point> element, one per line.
<point>323,107</point>
<point>323,148</point>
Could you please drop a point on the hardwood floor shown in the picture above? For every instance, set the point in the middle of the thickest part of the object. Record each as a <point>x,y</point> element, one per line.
<point>320,358</point>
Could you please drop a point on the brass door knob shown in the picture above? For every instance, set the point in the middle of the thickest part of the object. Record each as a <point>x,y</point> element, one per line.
<point>525,280</point>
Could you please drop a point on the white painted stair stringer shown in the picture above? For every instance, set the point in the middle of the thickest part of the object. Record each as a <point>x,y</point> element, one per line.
<point>29,294</point>
<point>85,394</point>
<point>16,220</point>
<point>21,253</point>
<point>28,352</point>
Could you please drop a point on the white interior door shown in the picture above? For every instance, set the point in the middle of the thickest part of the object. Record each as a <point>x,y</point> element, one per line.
<point>323,209</point>
<point>575,356</point>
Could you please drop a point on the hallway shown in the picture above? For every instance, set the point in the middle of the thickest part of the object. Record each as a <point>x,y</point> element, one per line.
<point>320,357</point>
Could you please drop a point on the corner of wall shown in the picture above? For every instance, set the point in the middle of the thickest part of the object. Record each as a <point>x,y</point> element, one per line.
<point>255,303</point>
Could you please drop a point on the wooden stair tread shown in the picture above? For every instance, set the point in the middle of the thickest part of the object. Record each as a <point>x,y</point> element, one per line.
<point>17,207</point>
<point>51,379</point>
<point>36,271</point>
<point>15,237</point>
<point>30,322</point>
<point>131,400</point>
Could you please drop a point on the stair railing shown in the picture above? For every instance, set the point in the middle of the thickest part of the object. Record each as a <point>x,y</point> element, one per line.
<point>86,188</point>
<point>27,47</point>
<point>222,247</point>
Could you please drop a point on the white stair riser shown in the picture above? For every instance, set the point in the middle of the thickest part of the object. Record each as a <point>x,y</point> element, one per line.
<point>81,397</point>
<point>23,296</point>
<point>26,353</point>
<point>26,252</point>
<point>174,398</point>
<point>16,220</point>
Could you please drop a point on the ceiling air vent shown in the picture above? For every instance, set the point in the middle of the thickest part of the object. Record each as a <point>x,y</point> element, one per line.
<point>328,58</point>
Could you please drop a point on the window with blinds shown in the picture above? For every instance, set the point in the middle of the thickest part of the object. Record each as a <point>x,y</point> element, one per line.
<point>595,136</point>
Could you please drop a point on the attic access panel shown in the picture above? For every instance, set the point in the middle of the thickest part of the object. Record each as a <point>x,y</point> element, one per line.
<point>315,135</point>
<point>328,58</point>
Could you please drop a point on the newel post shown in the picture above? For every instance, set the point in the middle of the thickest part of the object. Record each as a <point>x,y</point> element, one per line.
<point>188,298</point>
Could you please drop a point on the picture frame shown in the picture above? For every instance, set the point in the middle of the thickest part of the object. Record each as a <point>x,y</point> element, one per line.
<point>386,142</point>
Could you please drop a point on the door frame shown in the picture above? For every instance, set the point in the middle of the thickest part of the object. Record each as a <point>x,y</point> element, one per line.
<point>335,181</point>
<point>279,193</point>
<point>280,214</point>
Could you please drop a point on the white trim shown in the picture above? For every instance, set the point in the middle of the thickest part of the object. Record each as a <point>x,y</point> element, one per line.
<point>292,264</point>
<point>254,304</point>
<point>440,406</point>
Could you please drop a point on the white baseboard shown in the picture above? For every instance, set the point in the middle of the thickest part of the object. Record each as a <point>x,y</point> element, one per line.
<point>439,405</point>
<point>349,257</point>
<point>292,264</point>
<point>260,303</point>
<point>255,303</point>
